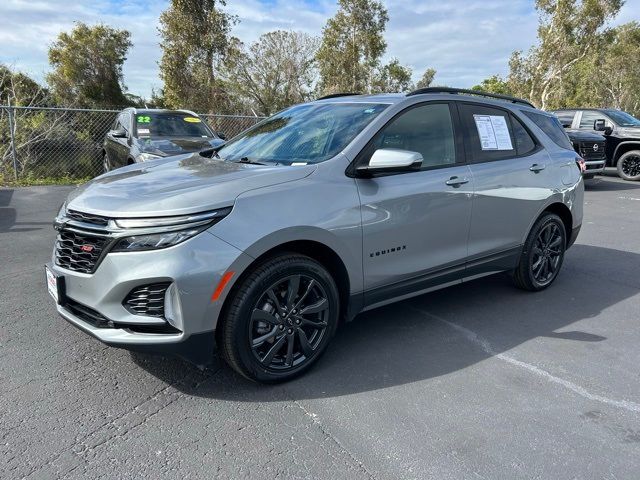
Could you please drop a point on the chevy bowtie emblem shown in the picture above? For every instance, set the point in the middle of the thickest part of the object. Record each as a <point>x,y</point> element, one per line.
<point>87,248</point>
<point>595,147</point>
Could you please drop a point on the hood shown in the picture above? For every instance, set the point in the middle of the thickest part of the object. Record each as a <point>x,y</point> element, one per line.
<point>167,146</point>
<point>582,136</point>
<point>176,186</point>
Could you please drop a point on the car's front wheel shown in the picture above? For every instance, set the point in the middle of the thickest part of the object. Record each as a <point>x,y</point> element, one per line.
<point>542,255</point>
<point>629,165</point>
<point>280,319</point>
<point>106,162</point>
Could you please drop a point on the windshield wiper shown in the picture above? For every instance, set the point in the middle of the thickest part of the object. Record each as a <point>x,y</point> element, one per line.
<point>249,161</point>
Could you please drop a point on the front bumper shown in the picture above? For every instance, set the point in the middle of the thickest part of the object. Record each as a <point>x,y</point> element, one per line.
<point>194,266</point>
<point>594,167</point>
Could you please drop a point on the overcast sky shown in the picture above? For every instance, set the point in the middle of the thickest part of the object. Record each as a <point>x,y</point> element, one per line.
<point>464,40</point>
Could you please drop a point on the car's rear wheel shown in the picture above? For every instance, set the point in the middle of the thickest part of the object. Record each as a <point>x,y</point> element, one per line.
<point>542,255</point>
<point>629,165</point>
<point>280,319</point>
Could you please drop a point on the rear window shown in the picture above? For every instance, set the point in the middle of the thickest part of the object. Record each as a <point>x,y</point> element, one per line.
<point>551,126</point>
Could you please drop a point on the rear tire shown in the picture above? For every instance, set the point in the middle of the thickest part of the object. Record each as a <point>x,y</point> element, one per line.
<point>279,319</point>
<point>542,254</point>
<point>629,166</point>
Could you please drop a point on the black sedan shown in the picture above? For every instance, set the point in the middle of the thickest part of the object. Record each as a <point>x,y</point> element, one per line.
<point>141,135</point>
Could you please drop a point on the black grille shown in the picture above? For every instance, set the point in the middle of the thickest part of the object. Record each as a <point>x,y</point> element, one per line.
<point>87,218</point>
<point>79,252</point>
<point>590,153</point>
<point>147,300</point>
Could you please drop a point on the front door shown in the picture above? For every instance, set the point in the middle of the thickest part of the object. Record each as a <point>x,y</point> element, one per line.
<point>415,224</point>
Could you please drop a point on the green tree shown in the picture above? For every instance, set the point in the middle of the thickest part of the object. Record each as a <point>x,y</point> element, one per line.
<point>427,78</point>
<point>276,71</point>
<point>352,45</point>
<point>87,66</point>
<point>392,77</point>
<point>494,84</point>
<point>568,31</point>
<point>195,41</point>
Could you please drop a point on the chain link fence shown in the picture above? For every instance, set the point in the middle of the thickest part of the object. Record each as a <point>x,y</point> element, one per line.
<point>40,144</point>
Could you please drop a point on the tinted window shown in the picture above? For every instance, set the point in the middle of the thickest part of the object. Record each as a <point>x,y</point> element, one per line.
<point>426,129</point>
<point>623,118</point>
<point>524,143</point>
<point>550,125</point>
<point>588,118</point>
<point>566,117</point>
<point>308,133</point>
<point>488,133</point>
<point>170,124</point>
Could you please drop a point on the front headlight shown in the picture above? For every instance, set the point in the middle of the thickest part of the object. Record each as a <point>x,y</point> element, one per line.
<point>145,157</point>
<point>163,232</point>
<point>153,242</point>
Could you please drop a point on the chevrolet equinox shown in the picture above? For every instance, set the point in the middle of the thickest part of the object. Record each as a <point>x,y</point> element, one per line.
<point>327,209</point>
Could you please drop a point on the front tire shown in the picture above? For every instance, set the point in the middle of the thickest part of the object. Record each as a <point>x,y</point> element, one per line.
<point>106,162</point>
<point>280,319</point>
<point>629,166</point>
<point>542,255</point>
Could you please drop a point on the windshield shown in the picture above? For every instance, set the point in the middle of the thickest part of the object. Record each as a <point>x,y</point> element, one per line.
<point>170,124</point>
<point>623,118</point>
<point>310,133</point>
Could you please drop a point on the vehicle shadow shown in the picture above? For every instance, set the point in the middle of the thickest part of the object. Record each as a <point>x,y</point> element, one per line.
<point>605,184</point>
<point>420,338</point>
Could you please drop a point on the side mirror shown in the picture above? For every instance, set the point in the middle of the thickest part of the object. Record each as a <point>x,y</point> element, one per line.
<point>599,125</point>
<point>221,135</point>
<point>389,160</point>
<point>119,133</point>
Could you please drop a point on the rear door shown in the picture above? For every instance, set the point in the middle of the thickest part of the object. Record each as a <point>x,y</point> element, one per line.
<point>511,175</point>
<point>415,224</point>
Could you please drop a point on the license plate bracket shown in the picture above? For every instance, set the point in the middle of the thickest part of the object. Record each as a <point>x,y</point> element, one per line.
<point>55,285</point>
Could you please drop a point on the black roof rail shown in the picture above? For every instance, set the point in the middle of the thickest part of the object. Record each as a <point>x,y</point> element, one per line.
<point>463,91</point>
<point>336,95</point>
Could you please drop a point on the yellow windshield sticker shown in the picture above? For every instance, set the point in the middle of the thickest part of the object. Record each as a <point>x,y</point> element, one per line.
<point>192,119</point>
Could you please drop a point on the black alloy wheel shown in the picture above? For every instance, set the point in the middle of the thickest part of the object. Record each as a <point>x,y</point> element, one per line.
<point>629,166</point>
<point>542,254</point>
<point>547,254</point>
<point>279,319</point>
<point>288,322</point>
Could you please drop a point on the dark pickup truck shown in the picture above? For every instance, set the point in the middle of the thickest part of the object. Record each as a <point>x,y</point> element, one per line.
<point>591,147</point>
<point>621,132</point>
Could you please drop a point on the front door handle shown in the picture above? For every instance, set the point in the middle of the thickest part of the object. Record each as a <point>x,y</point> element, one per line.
<point>456,181</point>
<point>536,167</point>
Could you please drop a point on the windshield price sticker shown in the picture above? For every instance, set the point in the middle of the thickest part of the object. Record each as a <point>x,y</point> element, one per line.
<point>144,119</point>
<point>493,132</point>
<point>192,119</point>
<point>144,131</point>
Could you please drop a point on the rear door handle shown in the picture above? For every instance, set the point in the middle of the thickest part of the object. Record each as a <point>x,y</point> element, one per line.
<point>537,167</point>
<point>456,181</point>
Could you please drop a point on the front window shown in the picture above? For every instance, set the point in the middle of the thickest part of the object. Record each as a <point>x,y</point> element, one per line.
<point>310,133</point>
<point>623,119</point>
<point>170,124</point>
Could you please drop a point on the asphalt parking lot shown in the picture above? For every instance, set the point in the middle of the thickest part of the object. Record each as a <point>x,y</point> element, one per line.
<point>477,381</point>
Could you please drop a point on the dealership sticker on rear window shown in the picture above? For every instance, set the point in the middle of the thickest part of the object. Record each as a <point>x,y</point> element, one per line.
<point>493,132</point>
<point>192,119</point>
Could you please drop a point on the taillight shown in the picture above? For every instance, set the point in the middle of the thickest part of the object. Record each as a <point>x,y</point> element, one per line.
<point>581,165</point>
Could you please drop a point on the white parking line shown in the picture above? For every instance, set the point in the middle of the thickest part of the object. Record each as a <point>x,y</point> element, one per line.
<point>629,198</point>
<point>486,346</point>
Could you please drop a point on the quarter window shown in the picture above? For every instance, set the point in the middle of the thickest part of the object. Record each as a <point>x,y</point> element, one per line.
<point>426,129</point>
<point>524,143</point>
<point>551,126</point>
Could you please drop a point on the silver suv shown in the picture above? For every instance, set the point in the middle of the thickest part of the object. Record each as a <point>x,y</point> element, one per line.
<point>324,210</point>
